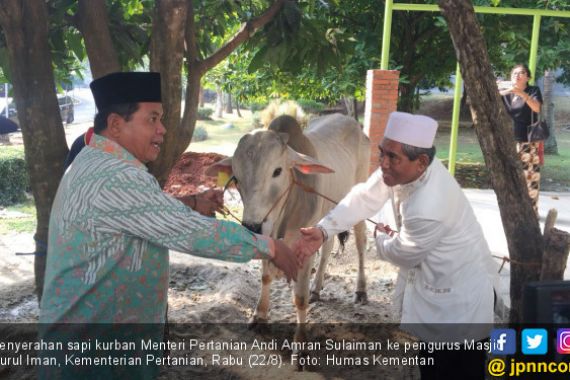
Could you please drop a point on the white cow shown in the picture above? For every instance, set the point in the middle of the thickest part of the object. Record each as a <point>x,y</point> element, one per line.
<point>330,156</point>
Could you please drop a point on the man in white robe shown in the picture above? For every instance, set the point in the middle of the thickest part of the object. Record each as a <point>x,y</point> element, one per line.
<point>444,290</point>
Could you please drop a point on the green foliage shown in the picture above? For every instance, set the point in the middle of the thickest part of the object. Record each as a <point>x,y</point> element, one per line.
<point>13,176</point>
<point>131,26</point>
<point>204,113</point>
<point>312,50</point>
<point>200,134</point>
<point>508,38</point>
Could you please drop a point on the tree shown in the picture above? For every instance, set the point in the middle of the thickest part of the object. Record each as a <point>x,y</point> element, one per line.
<point>550,145</point>
<point>492,126</point>
<point>508,39</point>
<point>179,134</point>
<point>25,27</point>
<point>127,23</point>
<point>167,52</point>
<point>92,21</point>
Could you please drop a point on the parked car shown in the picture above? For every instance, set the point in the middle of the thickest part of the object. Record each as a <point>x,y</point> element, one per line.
<point>66,109</point>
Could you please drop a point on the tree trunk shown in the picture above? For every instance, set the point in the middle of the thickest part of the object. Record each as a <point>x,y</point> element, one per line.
<point>238,112</point>
<point>201,98</point>
<point>173,148</point>
<point>355,106</point>
<point>167,53</point>
<point>492,126</point>
<point>556,249</point>
<point>228,106</point>
<point>219,102</point>
<point>350,105</point>
<point>94,26</point>
<point>406,102</point>
<point>25,26</point>
<point>550,145</point>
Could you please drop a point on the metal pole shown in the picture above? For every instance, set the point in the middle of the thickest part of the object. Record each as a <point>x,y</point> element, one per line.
<point>488,10</point>
<point>534,47</point>
<point>455,120</point>
<point>386,34</point>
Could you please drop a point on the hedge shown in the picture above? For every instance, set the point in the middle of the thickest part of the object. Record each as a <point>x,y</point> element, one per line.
<point>205,114</point>
<point>200,134</point>
<point>14,179</point>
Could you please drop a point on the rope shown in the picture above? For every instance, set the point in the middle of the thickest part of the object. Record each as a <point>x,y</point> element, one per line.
<point>41,250</point>
<point>309,189</point>
<point>506,259</point>
<point>294,181</point>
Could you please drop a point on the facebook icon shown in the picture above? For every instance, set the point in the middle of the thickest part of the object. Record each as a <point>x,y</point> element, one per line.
<point>503,342</point>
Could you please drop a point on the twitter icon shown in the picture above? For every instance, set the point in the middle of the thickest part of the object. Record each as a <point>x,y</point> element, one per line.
<point>534,341</point>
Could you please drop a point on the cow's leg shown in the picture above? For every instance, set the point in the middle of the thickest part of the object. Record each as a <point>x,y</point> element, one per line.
<point>261,314</point>
<point>319,278</point>
<point>301,300</point>
<point>360,237</point>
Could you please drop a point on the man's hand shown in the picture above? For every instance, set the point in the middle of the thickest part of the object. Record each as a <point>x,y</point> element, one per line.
<point>206,202</point>
<point>310,241</point>
<point>385,229</point>
<point>284,259</point>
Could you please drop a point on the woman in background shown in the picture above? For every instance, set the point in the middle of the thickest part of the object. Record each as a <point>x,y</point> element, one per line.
<point>523,103</point>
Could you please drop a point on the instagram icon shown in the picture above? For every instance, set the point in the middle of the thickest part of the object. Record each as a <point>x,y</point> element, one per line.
<point>563,341</point>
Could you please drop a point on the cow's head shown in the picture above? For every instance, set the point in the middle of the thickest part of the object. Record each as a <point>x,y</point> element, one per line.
<point>262,165</point>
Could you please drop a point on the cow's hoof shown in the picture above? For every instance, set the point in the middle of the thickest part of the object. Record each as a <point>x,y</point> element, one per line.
<point>256,323</point>
<point>361,298</point>
<point>315,297</point>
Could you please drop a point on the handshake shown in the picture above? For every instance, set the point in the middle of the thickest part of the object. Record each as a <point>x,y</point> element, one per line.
<point>290,260</point>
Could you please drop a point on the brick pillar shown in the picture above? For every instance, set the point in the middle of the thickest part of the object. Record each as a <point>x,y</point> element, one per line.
<point>381,99</point>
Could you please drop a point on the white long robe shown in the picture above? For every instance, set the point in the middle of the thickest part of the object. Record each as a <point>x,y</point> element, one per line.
<point>446,270</point>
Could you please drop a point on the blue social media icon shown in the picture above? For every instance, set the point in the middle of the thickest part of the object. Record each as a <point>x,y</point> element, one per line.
<point>534,341</point>
<point>503,342</point>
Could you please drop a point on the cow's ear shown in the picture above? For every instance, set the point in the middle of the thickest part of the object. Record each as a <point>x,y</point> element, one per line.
<point>306,164</point>
<point>222,166</point>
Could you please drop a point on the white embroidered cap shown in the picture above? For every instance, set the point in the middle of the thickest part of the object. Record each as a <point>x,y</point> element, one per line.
<point>415,130</point>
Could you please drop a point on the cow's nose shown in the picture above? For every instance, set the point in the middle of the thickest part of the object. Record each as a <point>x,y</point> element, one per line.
<point>253,227</point>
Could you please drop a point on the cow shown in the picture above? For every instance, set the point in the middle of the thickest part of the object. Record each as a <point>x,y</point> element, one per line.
<point>275,172</point>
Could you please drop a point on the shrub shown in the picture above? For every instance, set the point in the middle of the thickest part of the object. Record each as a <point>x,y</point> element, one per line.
<point>254,107</point>
<point>205,113</point>
<point>200,134</point>
<point>311,106</point>
<point>13,177</point>
<point>256,121</point>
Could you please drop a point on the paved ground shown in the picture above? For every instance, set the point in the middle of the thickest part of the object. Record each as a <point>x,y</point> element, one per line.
<point>484,203</point>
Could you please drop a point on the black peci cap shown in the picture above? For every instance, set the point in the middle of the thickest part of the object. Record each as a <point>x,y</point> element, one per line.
<point>126,87</point>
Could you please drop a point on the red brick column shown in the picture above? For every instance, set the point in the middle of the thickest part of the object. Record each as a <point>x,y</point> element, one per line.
<point>381,99</point>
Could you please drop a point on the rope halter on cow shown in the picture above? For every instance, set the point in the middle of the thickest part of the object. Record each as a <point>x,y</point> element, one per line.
<point>294,181</point>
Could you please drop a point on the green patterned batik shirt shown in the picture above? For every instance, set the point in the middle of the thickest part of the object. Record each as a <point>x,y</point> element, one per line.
<point>110,230</point>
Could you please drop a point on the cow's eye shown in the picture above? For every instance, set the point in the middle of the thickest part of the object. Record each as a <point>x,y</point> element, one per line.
<point>277,172</point>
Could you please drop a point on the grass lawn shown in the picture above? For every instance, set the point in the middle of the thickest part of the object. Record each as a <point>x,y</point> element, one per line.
<point>25,222</point>
<point>222,138</point>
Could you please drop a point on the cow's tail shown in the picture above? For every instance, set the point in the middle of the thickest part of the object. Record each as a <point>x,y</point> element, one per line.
<point>342,238</point>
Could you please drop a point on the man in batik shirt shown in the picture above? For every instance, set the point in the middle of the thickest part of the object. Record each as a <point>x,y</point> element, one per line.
<point>111,226</point>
